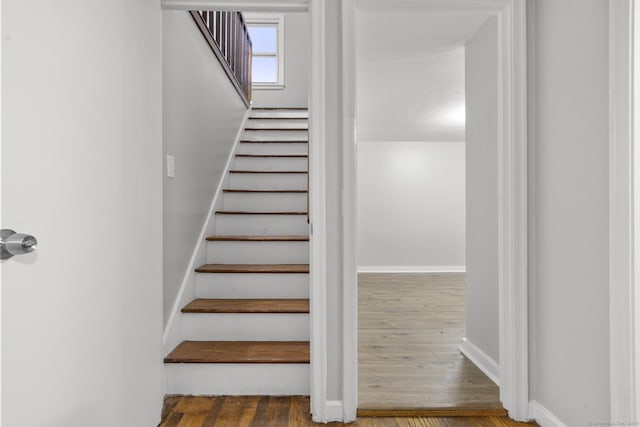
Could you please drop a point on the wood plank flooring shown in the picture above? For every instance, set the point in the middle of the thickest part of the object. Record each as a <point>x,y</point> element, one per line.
<point>288,411</point>
<point>410,329</point>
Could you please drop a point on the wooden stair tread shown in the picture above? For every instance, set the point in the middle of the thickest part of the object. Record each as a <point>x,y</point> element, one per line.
<point>240,352</point>
<point>275,172</point>
<point>297,141</point>
<point>237,190</point>
<point>253,268</point>
<point>280,108</point>
<point>258,238</point>
<point>259,213</point>
<point>278,129</point>
<point>202,305</point>
<point>278,118</point>
<point>273,155</point>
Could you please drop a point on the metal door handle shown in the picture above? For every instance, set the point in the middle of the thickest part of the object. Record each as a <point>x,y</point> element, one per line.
<point>12,243</point>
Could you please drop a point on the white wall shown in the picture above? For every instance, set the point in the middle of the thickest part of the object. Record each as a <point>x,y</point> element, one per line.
<point>81,170</point>
<point>297,47</point>
<point>569,208</point>
<point>202,115</point>
<point>411,206</point>
<point>482,324</point>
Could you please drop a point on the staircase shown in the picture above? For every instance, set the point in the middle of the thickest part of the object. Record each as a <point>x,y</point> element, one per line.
<point>247,330</point>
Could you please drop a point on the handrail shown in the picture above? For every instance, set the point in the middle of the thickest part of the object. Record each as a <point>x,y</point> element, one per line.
<point>228,37</point>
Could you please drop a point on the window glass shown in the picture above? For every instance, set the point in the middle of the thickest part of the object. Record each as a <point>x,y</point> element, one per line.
<point>264,69</point>
<point>264,39</point>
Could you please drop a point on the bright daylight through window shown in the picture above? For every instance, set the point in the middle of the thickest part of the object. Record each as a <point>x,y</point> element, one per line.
<point>267,38</point>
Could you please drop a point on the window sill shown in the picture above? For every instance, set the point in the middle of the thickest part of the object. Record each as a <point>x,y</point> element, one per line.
<point>267,87</point>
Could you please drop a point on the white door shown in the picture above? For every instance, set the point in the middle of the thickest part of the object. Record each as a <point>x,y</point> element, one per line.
<point>81,171</point>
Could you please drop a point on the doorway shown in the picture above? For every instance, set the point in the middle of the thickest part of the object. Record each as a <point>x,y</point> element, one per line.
<point>511,177</point>
<point>427,203</point>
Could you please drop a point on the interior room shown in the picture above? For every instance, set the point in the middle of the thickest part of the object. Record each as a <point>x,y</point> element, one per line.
<point>427,210</point>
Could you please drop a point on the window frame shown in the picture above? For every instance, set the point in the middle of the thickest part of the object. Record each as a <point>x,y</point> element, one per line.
<point>269,20</point>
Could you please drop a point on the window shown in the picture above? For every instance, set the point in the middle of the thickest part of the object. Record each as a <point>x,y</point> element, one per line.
<point>267,38</point>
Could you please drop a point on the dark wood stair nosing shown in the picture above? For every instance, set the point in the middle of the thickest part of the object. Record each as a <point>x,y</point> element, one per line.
<point>275,141</point>
<point>241,190</point>
<point>259,213</point>
<point>278,129</point>
<point>278,118</point>
<point>280,108</point>
<point>238,238</point>
<point>295,156</point>
<point>268,172</point>
<point>247,306</point>
<point>254,268</point>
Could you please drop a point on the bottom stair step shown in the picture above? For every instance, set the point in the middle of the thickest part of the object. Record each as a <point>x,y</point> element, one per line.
<point>240,352</point>
<point>238,379</point>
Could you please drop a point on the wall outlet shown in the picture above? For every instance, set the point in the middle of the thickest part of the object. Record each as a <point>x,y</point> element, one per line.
<point>171,167</point>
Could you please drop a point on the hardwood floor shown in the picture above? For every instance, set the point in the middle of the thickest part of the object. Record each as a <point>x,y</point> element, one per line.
<point>287,411</point>
<point>410,328</point>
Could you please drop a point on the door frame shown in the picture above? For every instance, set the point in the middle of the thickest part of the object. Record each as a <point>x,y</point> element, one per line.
<point>512,190</point>
<point>624,210</point>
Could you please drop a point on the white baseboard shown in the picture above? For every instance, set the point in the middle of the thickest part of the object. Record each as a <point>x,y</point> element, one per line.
<point>412,269</point>
<point>171,335</point>
<point>543,416</point>
<point>479,358</point>
<point>333,411</point>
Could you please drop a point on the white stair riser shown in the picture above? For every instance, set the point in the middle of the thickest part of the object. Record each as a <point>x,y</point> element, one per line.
<point>245,326</point>
<point>252,285</point>
<point>271,163</point>
<point>258,252</point>
<point>273,148</point>
<point>270,202</point>
<point>238,379</point>
<point>262,225</point>
<point>280,113</point>
<point>275,135</point>
<point>279,123</point>
<point>266,181</point>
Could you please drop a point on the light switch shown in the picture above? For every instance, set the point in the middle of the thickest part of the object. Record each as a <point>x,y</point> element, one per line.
<point>171,167</point>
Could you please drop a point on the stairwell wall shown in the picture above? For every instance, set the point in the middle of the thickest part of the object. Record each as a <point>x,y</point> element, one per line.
<point>202,114</point>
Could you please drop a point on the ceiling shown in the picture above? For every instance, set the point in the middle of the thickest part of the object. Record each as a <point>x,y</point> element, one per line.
<point>410,73</point>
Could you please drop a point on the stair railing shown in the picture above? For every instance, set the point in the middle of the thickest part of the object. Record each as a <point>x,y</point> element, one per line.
<point>228,38</point>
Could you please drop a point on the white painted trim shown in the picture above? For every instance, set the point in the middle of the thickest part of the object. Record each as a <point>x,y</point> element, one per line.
<point>235,5</point>
<point>622,293</point>
<point>543,416</point>
<point>171,335</point>
<point>317,208</point>
<point>479,358</point>
<point>1,264</point>
<point>513,211</point>
<point>349,209</point>
<point>412,269</point>
<point>512,161</point>
<point>335,411</point>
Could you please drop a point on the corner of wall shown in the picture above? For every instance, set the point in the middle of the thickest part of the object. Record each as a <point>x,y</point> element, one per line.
<point>479,358</point>
<point>543,416</point>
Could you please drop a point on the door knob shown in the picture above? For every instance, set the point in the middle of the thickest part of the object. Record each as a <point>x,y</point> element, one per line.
<point>12,243</point>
